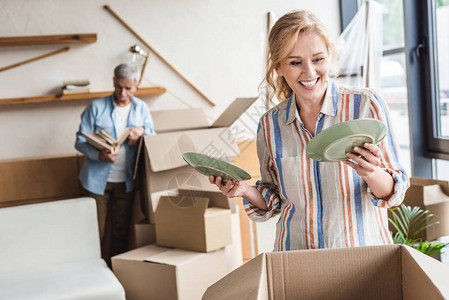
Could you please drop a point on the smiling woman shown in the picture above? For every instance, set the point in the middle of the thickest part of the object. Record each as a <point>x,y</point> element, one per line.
<point>320,204</point>
<point>283,47</point>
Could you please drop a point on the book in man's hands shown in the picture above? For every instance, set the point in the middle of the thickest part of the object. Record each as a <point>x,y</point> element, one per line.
<point>103,140</point>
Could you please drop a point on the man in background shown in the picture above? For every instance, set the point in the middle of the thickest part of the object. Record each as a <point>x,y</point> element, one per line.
<point>106,175</point>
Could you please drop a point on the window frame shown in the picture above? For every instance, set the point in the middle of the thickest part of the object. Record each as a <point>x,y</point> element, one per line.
<point>418,71</point>
<point>438,147</point>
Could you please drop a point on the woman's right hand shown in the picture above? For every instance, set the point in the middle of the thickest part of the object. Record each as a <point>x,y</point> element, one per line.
<point>239,189</point>
<point>230,189</point>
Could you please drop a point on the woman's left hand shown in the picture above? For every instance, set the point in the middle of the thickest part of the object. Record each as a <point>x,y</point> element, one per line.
<point>368,160</point>
<point>367,163</point>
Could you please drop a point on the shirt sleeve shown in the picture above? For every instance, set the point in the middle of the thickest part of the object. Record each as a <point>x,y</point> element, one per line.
<point>390,160</point>
<point>148,121</point>
<point>87,125</point>
<point>267,185</point>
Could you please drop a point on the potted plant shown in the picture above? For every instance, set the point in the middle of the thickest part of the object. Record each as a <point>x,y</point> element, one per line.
<point>409,222</point>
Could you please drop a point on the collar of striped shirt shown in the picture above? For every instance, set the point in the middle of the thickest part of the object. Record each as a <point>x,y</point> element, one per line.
<point>329,106</point>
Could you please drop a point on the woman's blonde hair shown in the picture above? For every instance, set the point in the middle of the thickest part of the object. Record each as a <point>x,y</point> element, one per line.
<point>281,40</point>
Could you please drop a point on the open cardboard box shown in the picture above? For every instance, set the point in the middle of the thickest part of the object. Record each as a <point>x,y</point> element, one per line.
<point>432,195</point>
<point>375,272</point>
<point>181,131</point>
<point>194,220</point>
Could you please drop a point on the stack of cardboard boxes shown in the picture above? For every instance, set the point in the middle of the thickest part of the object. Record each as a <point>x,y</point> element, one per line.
<point>191,235</point>
<point>194,247</point>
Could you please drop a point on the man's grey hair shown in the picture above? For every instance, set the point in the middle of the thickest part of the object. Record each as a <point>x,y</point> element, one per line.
<point>128,71</point>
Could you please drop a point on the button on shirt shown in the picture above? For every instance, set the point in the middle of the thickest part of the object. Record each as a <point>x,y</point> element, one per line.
<point>323,204</point>
<point>99,114</point>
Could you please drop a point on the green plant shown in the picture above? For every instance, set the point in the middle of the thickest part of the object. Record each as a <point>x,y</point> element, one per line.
<point>409,222</point>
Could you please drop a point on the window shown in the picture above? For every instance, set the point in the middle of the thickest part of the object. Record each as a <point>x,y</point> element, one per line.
<point>442,56</point>
<point>393,71</point>
<point>438,20</point>
<point>439,17</point>
<point>415,67</point>
<point>427,63</point>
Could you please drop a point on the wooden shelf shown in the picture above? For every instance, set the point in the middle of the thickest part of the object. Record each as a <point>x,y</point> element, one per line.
<point>156,90</point>
<point>76,38</point>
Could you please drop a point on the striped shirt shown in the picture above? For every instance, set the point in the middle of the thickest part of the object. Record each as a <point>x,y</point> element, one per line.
<point>323,204</point>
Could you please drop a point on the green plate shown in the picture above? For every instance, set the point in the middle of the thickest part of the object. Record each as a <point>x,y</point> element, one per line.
<point>208,165</point>
<point>334,142</point>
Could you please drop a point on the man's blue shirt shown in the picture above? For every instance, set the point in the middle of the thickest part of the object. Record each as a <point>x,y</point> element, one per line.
<point>99,114</point>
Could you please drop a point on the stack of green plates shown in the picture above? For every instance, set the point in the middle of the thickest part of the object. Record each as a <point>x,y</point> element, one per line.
<point>334,142</point>
<point>208,165</point>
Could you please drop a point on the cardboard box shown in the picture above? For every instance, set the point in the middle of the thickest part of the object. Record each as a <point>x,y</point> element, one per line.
<point>167,183</point>
<point>185,178</point>
<point>194,220</point>
<point>181,131</point>
<point>153,272</point>
<point>376,272</point>
<point>188,130</point>
<point>145,233</point>
<point>432,195</point>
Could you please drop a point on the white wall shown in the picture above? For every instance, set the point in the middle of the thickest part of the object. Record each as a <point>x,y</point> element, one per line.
<point>218,45</point>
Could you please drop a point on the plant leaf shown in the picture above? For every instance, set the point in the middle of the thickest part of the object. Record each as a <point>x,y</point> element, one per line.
<point>409,222</point>
<point>402,222</point>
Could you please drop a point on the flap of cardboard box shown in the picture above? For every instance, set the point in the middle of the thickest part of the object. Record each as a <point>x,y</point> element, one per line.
<point>339,274</point>
<point>417,181</point>
<point>210,191</point>
<point>195,118</point>
<point>423,277</point>
<point>165,150</point>
<point>216,198</point>
<point>159,255</point>
<point>249,282</point>
<point>179,119</point>
<point>233,112</point>
<point>173,257</point>
<point>180,207</point>
<point>140,254</point>
<point>434,194</point>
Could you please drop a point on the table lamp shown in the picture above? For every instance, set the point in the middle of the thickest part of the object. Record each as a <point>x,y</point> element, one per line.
<point>136,50</point>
